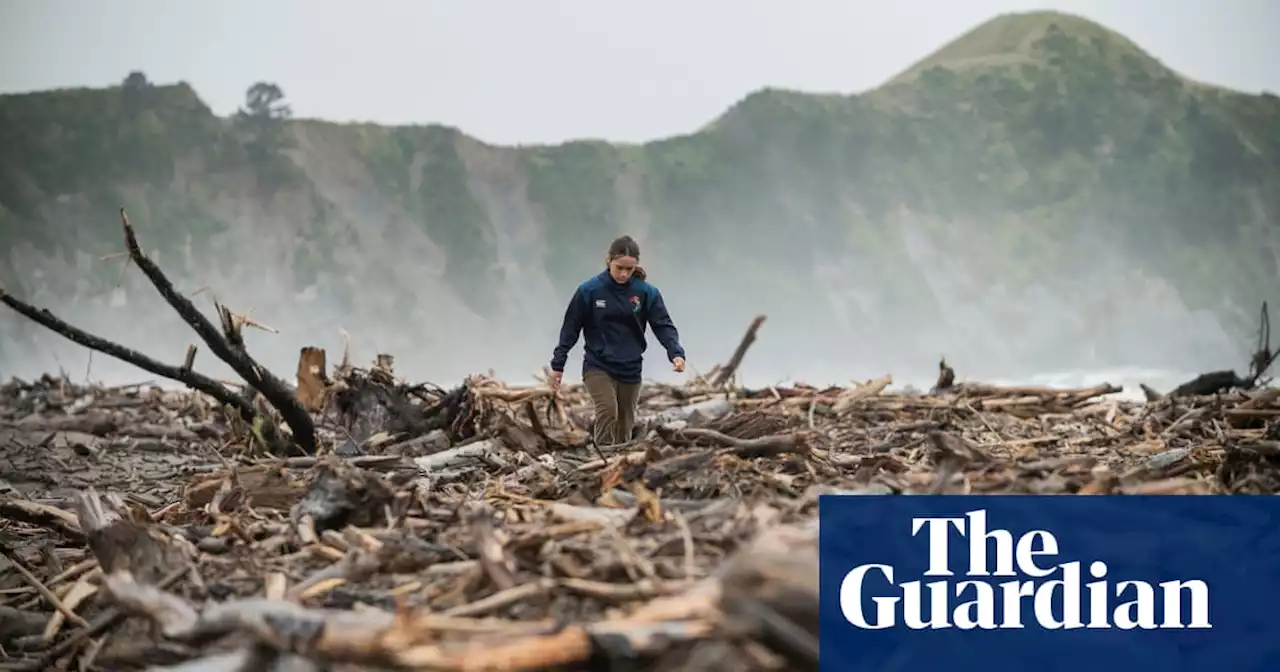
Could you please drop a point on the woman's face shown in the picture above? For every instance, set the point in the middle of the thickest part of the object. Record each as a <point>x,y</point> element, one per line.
<point>621,268</point>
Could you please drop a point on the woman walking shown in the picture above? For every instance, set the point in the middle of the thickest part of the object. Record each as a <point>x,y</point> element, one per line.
<point>611,310</point>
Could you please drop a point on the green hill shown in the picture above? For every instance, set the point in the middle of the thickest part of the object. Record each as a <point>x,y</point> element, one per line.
<point>1013,39</point>
<point>1039,193</point>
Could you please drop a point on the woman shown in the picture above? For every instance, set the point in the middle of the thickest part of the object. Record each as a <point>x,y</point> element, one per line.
<point>611,310</point>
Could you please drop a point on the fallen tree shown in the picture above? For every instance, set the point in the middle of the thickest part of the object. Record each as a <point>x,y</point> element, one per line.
<point>1214,382</point>
<point>227,345</point>
<point>183,373</point>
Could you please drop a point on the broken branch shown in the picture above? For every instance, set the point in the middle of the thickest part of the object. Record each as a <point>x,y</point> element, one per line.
<point>182,374</point>
<point>228,347</point>
<point>724,374</point>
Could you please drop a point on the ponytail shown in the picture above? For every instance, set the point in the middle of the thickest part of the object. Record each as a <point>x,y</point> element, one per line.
<point>626,246</point>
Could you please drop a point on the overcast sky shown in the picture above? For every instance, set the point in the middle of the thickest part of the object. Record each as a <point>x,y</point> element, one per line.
<point>548,70</point>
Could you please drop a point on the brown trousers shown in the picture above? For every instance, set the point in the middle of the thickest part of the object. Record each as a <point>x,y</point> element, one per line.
<point>615,404</point>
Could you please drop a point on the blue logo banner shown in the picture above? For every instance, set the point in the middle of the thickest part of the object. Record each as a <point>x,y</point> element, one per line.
<point>1047,583</point>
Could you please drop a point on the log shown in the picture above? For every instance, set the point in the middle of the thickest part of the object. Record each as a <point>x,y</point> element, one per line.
<point>946,377</point>
<point>724,374</point>
<point>369,403</point>
<point>120,543</point>
<point>409,640</point>
<point>770,590</point>
<point>341,495</point>
<point>693,414</point>
<point>227,346</point>
<point>458,456</point>
<point>1214,382</point>
<point>15,623</point>
<point>659,473</point>
<point>184,375</point>
<point>848,399</point>
<point>1209,383</point>
<point>312,378</point>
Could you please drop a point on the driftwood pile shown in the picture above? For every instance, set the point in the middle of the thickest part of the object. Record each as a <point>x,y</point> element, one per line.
<point>354,521</point>
<point>142,529</point>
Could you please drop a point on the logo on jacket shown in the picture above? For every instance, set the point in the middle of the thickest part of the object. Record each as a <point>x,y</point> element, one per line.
<point>635,304</point>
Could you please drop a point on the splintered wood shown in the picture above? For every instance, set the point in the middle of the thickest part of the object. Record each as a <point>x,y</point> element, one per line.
<point>311,382</point>
<point>474,528</point>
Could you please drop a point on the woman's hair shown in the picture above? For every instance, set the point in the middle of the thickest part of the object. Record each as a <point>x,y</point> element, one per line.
<point>626,246</point>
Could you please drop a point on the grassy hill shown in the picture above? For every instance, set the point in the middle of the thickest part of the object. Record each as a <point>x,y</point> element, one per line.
<point>1014,39</point>
<point>1038,193</point>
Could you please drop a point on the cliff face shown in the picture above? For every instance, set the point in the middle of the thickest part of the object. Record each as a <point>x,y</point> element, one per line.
<point>1037,195</point>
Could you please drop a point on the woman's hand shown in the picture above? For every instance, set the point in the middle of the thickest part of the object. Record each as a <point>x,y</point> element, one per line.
<point>678,364</point>
<point>555,378</point>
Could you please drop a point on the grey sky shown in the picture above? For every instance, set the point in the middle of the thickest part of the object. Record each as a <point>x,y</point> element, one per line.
<point>548,70</point>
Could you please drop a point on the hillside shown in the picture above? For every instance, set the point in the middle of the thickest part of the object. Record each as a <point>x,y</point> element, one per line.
<point>1038,194</point>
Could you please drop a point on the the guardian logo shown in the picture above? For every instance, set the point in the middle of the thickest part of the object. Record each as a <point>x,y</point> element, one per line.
<point>1050,596</point>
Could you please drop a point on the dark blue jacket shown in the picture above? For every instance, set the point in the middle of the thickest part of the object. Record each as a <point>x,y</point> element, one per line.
<point>612,319</point>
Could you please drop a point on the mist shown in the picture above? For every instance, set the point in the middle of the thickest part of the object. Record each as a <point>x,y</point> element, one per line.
<point>780,354</point>
<point>835,312</point>
<point>839,329</point>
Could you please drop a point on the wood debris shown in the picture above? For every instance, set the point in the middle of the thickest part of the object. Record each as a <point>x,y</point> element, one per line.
<point>408,526</point>
<point>475,528</point>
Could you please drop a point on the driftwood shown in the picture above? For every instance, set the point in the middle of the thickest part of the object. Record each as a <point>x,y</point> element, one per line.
<point>475,527</point>
<point>312,378</point>
<point>511,544</point>
<point>227,345</point>
<point>1214,382</point>
<point>182,374</point>
<point>946,377</point>
<point>1211,383</point>
<point>726,373</point>
<point>342,495</point>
